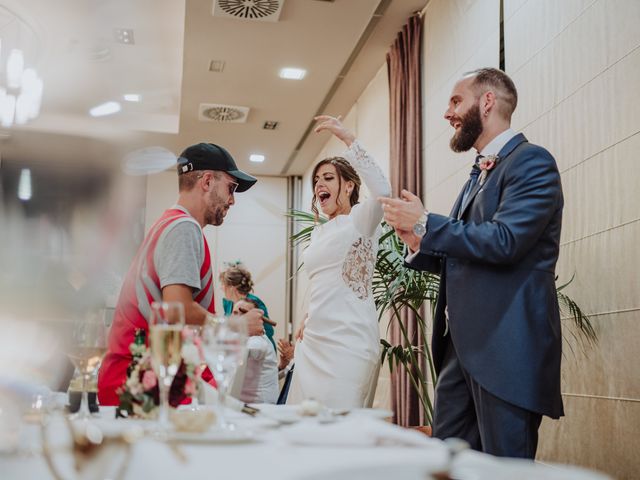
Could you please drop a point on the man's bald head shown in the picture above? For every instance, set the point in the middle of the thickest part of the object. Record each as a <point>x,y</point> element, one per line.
<point>485,79</point>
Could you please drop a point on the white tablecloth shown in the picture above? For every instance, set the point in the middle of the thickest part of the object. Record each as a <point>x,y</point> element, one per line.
<point>270,455</point>
<point>277,453</point>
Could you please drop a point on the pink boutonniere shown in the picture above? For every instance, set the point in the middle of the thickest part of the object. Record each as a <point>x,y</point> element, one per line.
<point>486,165</point>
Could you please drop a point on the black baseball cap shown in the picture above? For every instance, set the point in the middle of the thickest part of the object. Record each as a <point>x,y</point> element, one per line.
<point>208,156</point>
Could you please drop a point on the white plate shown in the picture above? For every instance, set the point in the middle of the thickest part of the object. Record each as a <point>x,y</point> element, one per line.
<point>214,436</point>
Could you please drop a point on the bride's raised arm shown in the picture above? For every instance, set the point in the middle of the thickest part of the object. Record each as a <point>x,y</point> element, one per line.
<point>368,214</point>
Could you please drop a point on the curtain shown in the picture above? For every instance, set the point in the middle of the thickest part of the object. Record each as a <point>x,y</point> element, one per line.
<point>405,103</point>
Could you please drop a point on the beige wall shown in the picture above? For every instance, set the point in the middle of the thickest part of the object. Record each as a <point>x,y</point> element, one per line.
<point>459,35</point>
<point>254,231</point>
<point>577,68</point>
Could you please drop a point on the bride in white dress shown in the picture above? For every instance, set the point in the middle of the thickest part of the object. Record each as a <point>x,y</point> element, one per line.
<point>339,343</point>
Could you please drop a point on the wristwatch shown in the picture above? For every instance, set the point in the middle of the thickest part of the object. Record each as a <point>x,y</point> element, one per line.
<point>420,227</point>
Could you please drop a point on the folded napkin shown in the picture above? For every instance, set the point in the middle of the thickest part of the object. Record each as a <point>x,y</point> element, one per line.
<point>359,431</point>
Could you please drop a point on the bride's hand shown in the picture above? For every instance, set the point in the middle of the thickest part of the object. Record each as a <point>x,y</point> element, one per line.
<point>299,333</point>
<point>334,125</point>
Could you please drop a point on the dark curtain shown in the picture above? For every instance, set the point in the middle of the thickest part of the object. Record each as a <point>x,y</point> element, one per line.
<point>405,91</point>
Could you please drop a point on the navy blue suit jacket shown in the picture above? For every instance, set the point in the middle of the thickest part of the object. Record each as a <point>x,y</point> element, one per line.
<point>497,266</point>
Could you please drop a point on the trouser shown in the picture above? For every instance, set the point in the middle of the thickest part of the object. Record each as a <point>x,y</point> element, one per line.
<point>463,409</point>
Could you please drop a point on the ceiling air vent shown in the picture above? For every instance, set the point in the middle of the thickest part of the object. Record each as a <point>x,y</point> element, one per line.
<point>261,10</point>
<point>211,112</point>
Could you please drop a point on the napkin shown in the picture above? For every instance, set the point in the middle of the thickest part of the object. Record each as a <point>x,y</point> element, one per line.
<point>357,432</point>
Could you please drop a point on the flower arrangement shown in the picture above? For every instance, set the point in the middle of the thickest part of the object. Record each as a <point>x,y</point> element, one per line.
<point>140,394</point>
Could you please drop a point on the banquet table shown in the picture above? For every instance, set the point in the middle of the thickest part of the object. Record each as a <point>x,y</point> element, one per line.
<point>267,447</point>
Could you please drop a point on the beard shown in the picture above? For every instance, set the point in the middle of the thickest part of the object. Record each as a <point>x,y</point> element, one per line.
<point>470,130</point>
<point>216,210</point>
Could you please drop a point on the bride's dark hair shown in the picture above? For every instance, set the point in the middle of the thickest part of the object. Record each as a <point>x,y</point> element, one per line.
<point>345,172</point>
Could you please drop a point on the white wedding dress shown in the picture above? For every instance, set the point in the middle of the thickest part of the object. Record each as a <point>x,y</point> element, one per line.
<point>336,360</point>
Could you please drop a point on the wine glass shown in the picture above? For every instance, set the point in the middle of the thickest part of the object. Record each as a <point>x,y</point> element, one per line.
<point>165,340</point>
<point>224,342</point>
<point>194,332</point>
<point>89,344</point>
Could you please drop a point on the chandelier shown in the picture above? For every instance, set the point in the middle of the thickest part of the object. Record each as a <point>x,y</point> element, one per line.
<point>20,85</point>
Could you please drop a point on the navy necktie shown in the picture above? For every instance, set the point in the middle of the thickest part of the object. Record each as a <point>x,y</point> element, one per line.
<point>473,179</point>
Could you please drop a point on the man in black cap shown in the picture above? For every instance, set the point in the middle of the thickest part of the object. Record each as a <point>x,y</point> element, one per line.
<point>173,263</point>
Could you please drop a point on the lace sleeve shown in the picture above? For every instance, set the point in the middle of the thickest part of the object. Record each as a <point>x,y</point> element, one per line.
<point>368,214</point>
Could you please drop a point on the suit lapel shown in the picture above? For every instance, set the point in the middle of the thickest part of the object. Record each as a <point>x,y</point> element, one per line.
<point>456,205</point>
<point>503,154</point>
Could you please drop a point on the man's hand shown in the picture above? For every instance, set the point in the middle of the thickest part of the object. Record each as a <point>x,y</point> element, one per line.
<point>410,239</point>
<point>253,318</point>
<point>402,213</point>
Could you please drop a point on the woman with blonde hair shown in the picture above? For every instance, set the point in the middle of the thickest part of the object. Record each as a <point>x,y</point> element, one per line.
<point>237,285</point>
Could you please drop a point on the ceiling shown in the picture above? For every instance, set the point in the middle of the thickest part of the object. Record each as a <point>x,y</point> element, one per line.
<point>341,44</point>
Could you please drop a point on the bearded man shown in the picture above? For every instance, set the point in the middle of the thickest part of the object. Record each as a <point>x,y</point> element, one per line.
<point>496,335</point>
<point>173,264</point>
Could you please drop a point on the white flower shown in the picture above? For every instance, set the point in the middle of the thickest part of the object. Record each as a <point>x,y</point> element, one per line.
<point>190,354</point>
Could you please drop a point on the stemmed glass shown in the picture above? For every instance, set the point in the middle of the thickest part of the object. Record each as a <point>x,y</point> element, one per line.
<point>89,344</point>
<point>165,340</point>
<point>224,341</point>
<point>195,333</point>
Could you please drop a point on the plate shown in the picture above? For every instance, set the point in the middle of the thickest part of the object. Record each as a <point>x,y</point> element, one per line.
<point>214,436</point>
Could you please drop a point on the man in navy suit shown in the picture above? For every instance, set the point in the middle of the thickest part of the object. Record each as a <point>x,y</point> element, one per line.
<point>496,333</point>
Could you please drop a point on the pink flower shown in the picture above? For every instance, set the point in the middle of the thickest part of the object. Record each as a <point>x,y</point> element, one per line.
<point>486,164</point>
<point>189,387</point>
<point>149,380</point>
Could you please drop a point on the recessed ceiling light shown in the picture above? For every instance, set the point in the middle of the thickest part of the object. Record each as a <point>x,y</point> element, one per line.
<point>257,158</point>
<point>124,35</point>
<point>132,97</point>
<point>107,108</point>
<point>293,73</point>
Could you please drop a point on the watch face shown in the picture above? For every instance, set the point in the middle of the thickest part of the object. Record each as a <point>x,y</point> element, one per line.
<point>419,229</point>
